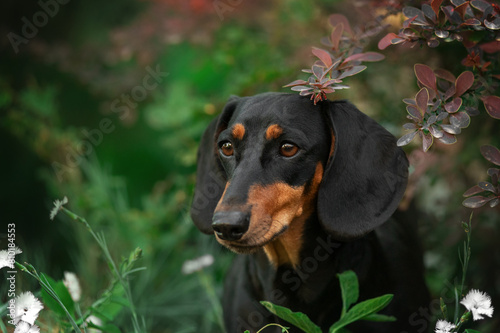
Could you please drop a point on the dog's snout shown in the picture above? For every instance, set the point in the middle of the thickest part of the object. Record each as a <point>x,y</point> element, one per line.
<point>230,225</point>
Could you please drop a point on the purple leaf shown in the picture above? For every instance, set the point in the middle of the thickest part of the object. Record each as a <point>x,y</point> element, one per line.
<point>445,75</point>
<point>411,12</point>
<point>472,191</point>
<point>442,33</point>
<point>409,101</point>
<point>494,172</point>
<point>323,55</point>
<point>450,92</point>
<point>448,139</point>
<point>352,71</point>
<point>410,126</point>
<point>337,19</point>
<point>491,153</point>
<point>487,186</point>
<point>475,202</point>
<point>429,12</point>
<point>492,25</point>
<point>301,88</point>
<point>368,56</point>
<point>436,132</point>
<point>295,83</point>
<point>442,116</point>
<point>336,35</point>
<point>427,141</point>
<point>432,119</point>
<point>422,99</point>
<point>492,105</point>
<point>388,40</point>
<point>318,71</point>
<point>494,202</point>
<point>460,119</point>
<point>414,113</point>
<point>461,9</point>
<point>463,83</point>
<point>433,42</point>
<point>472,22</point>
<point>426,76</point>
<point>451,129</point>
<point>454,105</point>
<point>435,4</point>
<point>450,13</point>
<point>406,139</point>
<point>480,5</point>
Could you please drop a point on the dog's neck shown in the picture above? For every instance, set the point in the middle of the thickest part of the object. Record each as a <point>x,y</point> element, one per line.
<point>286,248</point>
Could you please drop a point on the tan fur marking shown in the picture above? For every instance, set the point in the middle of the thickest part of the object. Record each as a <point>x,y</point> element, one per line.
<point>277,208</point>
<point>286,248</point>
<point>238,131</point>
<point>273,132</point>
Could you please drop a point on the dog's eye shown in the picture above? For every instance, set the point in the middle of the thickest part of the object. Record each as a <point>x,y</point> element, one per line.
<point>227,148</point>
<point>288,149</point>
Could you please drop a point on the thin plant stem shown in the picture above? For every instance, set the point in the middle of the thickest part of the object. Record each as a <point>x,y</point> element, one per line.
<point>101,241</point>
<point>212,296</point>
<point>46,286</point>
<point>272,324</point>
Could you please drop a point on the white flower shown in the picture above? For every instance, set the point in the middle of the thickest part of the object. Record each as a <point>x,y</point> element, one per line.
<point>7,257</point>
<point>27,308</point>
<point>478,303</point>
<point>442,326</point>
<point>57,207</point>
<point>24,327</point>
<point>94,320</point>
<point>191,266</point>
<point>71,282</point>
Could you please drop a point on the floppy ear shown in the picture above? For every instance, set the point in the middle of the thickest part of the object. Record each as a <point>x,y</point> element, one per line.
<point>210,176</point>
<point>365,178</point>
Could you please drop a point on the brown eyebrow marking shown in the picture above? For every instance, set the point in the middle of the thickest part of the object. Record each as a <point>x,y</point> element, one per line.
<point>273,132</point>
<point>238,131</point>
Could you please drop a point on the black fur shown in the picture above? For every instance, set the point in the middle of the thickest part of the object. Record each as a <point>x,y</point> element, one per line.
<point>352,228</point>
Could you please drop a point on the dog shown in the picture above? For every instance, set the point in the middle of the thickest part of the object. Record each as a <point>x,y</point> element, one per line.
<point>304,192</point>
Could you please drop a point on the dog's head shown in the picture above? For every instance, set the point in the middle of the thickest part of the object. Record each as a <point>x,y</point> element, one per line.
<point>268,162</point>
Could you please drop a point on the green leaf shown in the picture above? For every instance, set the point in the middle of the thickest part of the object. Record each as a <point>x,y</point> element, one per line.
<point>350,290</point>
<point>471,331</point>
<point>379,318</point>
<point>298,319</point>
<point>114,303</point>
<point>62,293</point>
<point>362,310</point>
<point>109,328</point>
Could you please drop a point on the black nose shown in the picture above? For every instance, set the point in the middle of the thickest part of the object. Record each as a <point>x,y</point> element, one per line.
<point>230,226</point>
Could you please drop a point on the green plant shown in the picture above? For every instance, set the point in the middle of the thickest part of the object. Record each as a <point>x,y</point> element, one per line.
<point>62,300</point>
<point>351,312</point>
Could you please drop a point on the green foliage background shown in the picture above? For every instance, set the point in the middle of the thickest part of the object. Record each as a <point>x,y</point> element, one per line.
<point>136,184</point>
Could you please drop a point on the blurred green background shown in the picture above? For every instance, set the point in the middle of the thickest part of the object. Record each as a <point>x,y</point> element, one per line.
<point>82,116</point>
